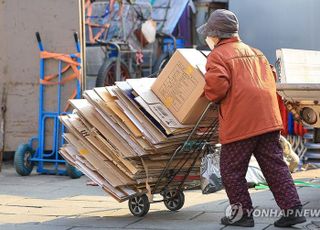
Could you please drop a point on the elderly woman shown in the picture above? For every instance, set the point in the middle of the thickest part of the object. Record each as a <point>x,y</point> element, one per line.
<point>240,79</point>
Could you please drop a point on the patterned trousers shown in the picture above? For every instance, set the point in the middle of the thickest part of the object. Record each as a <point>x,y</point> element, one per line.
<point>267,150</point>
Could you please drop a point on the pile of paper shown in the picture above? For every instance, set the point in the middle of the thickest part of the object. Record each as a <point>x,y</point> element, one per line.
<point>123,138</point>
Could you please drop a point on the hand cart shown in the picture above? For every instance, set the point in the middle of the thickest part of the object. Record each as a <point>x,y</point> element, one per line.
<point>50,162</point>
<point>168,185</point>
<point>125,55</point>
<point>114,68</point>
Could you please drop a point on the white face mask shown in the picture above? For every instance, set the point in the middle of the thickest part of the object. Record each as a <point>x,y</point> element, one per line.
<point>210,43</point>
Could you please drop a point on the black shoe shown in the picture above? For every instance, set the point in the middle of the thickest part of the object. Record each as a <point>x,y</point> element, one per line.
<point>245,221</point>
<point>291,218</point>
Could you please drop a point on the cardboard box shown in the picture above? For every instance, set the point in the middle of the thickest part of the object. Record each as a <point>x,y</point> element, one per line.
<point>151,103</point>
<point>180,85</point>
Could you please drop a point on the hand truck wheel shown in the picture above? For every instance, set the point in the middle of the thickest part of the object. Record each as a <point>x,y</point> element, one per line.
<point>73,172</point>
<point>173,200</point>
<point>22,162</point>
<point>139,205</point>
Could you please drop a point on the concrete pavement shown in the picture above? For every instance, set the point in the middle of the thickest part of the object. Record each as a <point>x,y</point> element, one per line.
<point>41,202</point>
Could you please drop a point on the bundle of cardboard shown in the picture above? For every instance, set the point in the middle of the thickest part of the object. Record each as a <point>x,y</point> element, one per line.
<point>122,137</point>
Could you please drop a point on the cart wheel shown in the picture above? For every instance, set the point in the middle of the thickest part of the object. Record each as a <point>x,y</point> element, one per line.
<point>22,162</point>
<point>107,73</point>
<point>174,200</point>
<point>73,172</point>
<point>139,205</point>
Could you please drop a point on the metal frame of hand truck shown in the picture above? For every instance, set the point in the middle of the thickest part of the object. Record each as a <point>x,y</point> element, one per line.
<point>173,196</point>
<point>26,157</point>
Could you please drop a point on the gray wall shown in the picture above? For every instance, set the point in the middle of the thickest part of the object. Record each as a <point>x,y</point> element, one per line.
<point>56,20</point>
<point>269,25</point>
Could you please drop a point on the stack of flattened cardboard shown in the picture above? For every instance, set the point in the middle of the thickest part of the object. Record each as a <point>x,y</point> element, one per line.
<point>123,136</point>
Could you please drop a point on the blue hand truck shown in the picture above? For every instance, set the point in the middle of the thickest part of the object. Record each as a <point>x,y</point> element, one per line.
<point>50,162</point>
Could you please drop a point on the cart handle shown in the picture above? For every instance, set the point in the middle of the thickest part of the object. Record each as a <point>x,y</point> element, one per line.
<point>108,44</point>
<point>39,41</point>
<point>38,36</point>
<point>76,38</point>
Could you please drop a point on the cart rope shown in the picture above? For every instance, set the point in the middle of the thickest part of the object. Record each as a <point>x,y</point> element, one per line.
<point>149,194</point>
<point>103,27</point>
<point>71,64</point>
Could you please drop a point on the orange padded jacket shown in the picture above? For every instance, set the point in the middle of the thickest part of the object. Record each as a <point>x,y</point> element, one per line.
<point>240,79</point>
